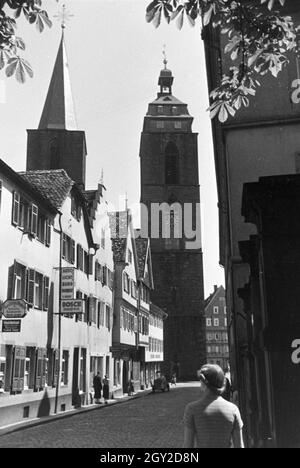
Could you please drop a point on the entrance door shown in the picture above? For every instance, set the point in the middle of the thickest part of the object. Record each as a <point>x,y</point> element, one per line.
<point>125,377</point>
<point>75,388</point>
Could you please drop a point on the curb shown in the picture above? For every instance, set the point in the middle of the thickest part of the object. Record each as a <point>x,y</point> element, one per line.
<point>54,417</point>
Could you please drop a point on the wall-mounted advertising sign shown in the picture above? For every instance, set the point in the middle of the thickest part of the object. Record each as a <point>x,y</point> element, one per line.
<point>67,283</point>
<point>72,306</point>
<point>14,308</point>
<point>11,326</point>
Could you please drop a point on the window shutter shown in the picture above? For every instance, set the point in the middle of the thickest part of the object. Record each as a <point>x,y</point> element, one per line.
<point>46,293</point>
<point>90,264</point>
<point>44,368</point>
<point>96,270</point>
<point>55,367</point>
<point>135,324</point>
<point>11,281</point>
<point>34,219</point>
<point>72,259</point>
<point>30,286</point>
<point>48,232</point>
<point>121,318</point>
<point>18,369</point>
<point>39,368</point>
<point>64,246</point>
<point>16,209</point>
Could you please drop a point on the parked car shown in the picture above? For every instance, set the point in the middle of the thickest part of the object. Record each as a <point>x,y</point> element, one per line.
<point>161,384</point>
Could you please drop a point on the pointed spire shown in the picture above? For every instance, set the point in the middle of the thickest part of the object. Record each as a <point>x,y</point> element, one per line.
<point>59,112</point>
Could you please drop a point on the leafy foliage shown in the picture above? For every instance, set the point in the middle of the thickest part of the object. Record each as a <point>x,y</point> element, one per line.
<point>258,41</point>
<point>10,43</point>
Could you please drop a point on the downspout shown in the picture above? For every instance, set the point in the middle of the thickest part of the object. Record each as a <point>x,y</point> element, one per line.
<point>59,313</point>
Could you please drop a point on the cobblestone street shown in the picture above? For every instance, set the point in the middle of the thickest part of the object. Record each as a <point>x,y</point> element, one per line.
<point>150,421</point>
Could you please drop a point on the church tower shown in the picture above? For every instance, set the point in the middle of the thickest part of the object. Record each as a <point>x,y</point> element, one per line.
<point>170,215</point>
<point>57,143</point>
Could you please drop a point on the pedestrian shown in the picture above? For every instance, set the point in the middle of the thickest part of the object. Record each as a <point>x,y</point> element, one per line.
<point>174,379</point>
<point>105,389</point>
<point>211,421</point>
<point>97,387</point>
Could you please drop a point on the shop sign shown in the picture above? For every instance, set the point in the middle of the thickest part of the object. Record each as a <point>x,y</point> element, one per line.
<point>72,306</point>
<point>11,326</point>
<point>14,308</point>
<point>67,283</point>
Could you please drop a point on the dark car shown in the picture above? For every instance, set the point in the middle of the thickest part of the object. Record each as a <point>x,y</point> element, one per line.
<point>161,384</point>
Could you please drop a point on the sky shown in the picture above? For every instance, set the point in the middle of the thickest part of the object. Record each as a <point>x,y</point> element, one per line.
<point>115,58</point>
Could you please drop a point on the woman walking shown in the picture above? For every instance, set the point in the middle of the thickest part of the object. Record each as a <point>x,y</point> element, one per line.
<point>105,389</point>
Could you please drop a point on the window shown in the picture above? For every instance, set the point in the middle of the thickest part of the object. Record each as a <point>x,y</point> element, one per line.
<point>75,208</point>
<point>160,124</point>
<point>133,289</point>
<point>208,322</point>
<point>216,310</point>
<point>30,285</point>
<point>80,263</point>
<point>209,349</point>
<point>216,322</point>
<point>160,109</point>
<point>68,250</point>
<point>225,310</point>
<point>225,321</point>
<point>108,317</point>
<point>102,238</point>
<point>64,368</point>
<point>177,125</point>
<point>18,369</point>
<point>82,371</point>
<point>100,314</point>
<point>174,110</point>
<point>126,282</point>
<point>171,164</point>
<point>129,256</point>
<point>217,337</point>
<point>38,290</point>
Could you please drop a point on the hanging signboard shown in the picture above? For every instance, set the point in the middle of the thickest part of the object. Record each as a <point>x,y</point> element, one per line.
<point>67,283</point>
<point>14,308</point>
<point>11,326</point>
<point>72,306</point>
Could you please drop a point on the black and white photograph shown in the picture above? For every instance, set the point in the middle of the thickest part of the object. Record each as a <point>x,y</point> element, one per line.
<point>149,215</point>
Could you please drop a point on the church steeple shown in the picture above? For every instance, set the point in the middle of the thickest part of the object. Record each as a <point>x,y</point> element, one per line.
<point>58,144</point>
<point>59,112</point>
<point>166,79</point>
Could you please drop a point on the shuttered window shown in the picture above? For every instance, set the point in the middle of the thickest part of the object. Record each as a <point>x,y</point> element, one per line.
<point>40,368</point>
<point>16,209</point>
<point>18,369</point>
<point>68,249</point>
<point>46,293</point>
<point>34,220</point>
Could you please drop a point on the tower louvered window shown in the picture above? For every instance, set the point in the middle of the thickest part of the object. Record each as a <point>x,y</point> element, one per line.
<point>171,164</point>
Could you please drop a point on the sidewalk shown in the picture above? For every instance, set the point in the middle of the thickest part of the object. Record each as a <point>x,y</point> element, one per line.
<point>83,409</point>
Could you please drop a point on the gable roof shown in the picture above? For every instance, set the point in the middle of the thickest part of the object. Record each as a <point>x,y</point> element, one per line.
<point>213,295</point>
<point>54,185</point>
<point>27,187</point>
<point>143,251</point>
<point>118,223</point>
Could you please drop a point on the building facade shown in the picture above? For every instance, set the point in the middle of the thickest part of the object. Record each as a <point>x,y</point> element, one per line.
<point>217,348</point>
<point>261,140</point>
<point>170,216</point>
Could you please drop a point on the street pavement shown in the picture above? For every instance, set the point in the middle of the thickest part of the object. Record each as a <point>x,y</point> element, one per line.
<point>150,421</point>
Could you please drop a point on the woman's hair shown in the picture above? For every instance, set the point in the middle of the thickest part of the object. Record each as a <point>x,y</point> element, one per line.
<point>213,377</point>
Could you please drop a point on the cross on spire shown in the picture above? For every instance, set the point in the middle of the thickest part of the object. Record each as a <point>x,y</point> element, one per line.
<point>64,15</point>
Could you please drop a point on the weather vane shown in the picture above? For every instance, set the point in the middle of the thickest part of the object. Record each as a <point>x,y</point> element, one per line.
<point>165,56</point>
<point>63,16</point>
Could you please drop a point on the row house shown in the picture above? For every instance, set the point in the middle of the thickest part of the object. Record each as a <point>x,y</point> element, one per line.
<point>50,225</point>
<point>133,336</point>
<point>217,347</point>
